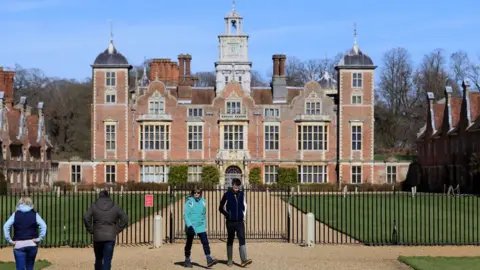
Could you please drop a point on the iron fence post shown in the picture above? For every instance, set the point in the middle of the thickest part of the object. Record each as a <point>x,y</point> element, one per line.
<point>171,214</point>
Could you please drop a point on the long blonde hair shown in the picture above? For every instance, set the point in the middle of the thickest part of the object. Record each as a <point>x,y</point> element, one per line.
<point>26,201</point>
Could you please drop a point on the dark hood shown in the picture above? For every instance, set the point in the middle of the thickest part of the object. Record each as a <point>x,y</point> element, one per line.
<point>104,203</point>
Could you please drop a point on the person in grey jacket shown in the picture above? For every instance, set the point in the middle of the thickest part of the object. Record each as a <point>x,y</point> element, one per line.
<point>104,219</point>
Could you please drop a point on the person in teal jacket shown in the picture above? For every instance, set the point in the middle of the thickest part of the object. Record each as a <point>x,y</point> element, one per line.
<point>196,224</point>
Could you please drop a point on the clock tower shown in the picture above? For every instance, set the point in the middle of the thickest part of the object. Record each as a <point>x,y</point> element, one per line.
<point>233,64</point>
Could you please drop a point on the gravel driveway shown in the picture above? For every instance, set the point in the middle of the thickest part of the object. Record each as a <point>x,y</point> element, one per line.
<point>265,256</point>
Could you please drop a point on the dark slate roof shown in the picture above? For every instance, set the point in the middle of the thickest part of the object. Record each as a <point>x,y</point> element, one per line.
<point>356,58</point>
<point>110,57</point>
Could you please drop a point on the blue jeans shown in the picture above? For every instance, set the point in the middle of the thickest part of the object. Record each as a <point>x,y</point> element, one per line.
<point>25,257</point>
<point>103,254</point>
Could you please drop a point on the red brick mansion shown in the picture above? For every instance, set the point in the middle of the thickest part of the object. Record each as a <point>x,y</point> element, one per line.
<point>324,129</point>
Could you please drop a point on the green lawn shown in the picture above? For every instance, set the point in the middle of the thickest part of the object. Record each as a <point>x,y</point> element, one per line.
<point>441,263</point>
<point>11,265</point>
<point>64,214</point>
<point>425,219</point>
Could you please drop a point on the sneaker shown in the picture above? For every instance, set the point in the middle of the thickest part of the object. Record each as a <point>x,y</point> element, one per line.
<point>211,261</point>
<point>188,263</point>
<point>230,263</point>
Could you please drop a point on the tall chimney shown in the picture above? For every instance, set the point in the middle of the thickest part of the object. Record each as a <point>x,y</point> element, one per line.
<point>188,59</point>
<point>276,63</point>
<point>6,85</point>
<point>448,97</point>
<point>431,98</point>
<point>279,81</point>
<point>181,63</point>
<point>466,98</point>
<point>281,71</point>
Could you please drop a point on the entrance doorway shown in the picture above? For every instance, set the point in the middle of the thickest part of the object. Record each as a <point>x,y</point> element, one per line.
<point>231,173</point>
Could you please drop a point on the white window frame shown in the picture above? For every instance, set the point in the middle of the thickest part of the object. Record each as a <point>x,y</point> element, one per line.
<point>195,137</point>
<point>356,173</point>
<point>153,138</point>
<point>75,173</point>
<point>195,112</point>
<point>270,175</point>
<point>313,107</point>
<point>357,80</point>
<point>354,130</point>
<point>310,174</point>
<point>112,139</point>
<point>195,173</point>
<point>109,174</point>
<point>322,137</point>
<point>391,174</point>
<point>357,99</point>
<point>238,137</point>
<point>156,104</point>
<point>110,96</point>
<point>234,109</point>
<point>154,173</point>
<point>111,78</point>
<point>271,112</point>
<point>271,137</point>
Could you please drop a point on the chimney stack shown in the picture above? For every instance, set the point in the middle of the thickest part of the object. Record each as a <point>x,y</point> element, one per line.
<point>181,64</point>
<point>6,85</point>
<point>188,59</point>
<point>279,81</point>
<point>466,98</point>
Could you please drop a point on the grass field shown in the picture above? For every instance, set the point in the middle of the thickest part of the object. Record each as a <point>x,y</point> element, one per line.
<point>424,219</point>
<point>441,263</point>
<point>11,265</point>
<point>64,214</point>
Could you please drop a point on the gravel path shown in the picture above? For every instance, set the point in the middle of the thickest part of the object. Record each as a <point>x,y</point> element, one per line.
<point>265,256</point>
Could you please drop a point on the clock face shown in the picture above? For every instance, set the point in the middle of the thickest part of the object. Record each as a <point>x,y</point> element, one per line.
<point>234,47</point>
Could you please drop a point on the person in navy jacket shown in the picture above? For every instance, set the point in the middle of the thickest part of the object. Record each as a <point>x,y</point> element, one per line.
<point>234,207</point>
<point>25,222</point>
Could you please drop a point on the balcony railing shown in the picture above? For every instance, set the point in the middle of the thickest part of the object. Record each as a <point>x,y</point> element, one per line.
<point>234,115</point>
<point>154,117</point>
<point>312,118</point>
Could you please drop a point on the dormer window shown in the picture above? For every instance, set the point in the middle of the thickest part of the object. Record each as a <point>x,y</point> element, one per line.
<point>156,107</point>
<point>111,78</point>
<point>234,107</point>
<point>313,108</point>
<point>195,112</point>
<point>156,104</point>
<point>357,81</point>
<point>272,112</point>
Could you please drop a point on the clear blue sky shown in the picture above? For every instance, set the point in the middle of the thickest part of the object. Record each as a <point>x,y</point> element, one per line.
<point>63,37</point>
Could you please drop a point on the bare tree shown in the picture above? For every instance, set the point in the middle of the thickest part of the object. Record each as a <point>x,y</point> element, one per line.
<point>298,73</point>
<point>460,68</point>
<point>257,79</point>
<point>396,81</point>
<point>431,75</point>
<point>205,79</point>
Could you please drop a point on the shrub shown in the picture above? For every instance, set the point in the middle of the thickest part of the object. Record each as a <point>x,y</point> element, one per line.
<point>142,186</point>
<point>3,184</point>
<point>210,175</point>
<point>255,176</point>
<point>178,175</point>
<point>63,185</point>
<point>287,176</point>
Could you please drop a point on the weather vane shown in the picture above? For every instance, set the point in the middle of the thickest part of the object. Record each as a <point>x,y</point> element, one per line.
<point>355,33</point>
<point>233,5</point>
<point>111,29</point>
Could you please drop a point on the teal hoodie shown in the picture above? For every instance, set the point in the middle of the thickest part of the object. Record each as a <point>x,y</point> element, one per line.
<point>195,214</point>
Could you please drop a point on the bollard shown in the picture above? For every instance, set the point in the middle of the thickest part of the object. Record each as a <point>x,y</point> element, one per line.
<point>310,230</point>
<point>345,188</point>
<point>121,191</point>
<point>356,190</point>
<point>111,190</point>
<point>58,192</point>
<point>76,189</point>
<point>157,232</point>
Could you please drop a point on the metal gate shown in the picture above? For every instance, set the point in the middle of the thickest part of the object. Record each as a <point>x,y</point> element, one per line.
<point>267,215</point>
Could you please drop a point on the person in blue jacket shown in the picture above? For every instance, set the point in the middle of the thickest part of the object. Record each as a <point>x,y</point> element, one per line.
<point>196,224</point>
<point>234,207</point>
<point>25,222</point>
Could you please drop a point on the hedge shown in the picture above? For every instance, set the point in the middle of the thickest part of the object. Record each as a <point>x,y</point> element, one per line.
<point>178,174</point>
<point>255,176</point>
<point>210,175</point>
<point>287,176</point>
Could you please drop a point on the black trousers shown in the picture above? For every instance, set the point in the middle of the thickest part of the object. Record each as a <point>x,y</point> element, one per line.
<point>237,227</point>
<point>203,238</point>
